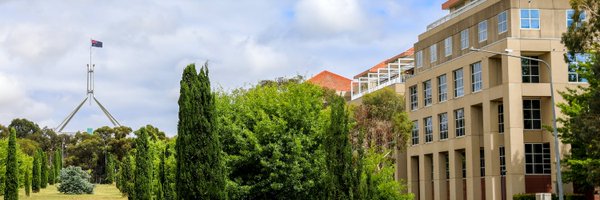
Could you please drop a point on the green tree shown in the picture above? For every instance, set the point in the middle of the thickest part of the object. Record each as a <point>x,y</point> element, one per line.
<point>163,173</point>
<point>51,177</point>
<point>338,151</point>
<point>200,170</point>
<point>110,169</point>
<point>126,171</point>
<point>11,189</point>
<point>143,166</point>
<point>582,106</point>
<point>27,183</point>
<point>36,173</point>
<point>24,127</point>
<point>43,169</point>
<point>57,164</point>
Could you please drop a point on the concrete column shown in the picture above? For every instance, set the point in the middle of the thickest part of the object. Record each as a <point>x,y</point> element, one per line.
<point>413,178</point>
<point>491,143</point>
<point>440,186</point>
<point>456,184</point>
<point>425,178</point>
<point>473,169</point>
<point>401,165</point>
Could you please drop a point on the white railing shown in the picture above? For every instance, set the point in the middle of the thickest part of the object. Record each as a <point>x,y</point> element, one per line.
<point>455,13</point>
<point>398,79</point>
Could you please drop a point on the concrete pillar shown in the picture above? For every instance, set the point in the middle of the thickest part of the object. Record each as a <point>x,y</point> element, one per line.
<point>440,179</point>
<point>425,178</point>
<point>413,176</point>
<point>456,182</point>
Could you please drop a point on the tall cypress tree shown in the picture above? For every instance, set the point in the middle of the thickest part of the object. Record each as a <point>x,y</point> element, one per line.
<point>143,166</point>
<point>51,176</point>
<point>200,171</point>
<point>36,173</point>
<point>110,169</point>
<point>27,182</point>
<point>56,162</point>
<point>44,169</point>
<point>11,188</point>
<point>338,151</point>
<point>163,172</point>
<point>126,172</point>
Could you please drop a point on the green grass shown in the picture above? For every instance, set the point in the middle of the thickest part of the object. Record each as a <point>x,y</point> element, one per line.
<point>51,193</point>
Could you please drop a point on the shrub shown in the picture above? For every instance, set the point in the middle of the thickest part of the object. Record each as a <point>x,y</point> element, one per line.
<point>554,197</point>
<point>73,180</point>
<point>524,197</point>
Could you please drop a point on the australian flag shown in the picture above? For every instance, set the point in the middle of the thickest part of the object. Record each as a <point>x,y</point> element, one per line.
<point>96,43</point>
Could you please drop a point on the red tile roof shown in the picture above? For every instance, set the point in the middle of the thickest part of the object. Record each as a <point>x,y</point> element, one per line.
<point>384,63</point>
<point>331,80</point>
<point>450,3</point>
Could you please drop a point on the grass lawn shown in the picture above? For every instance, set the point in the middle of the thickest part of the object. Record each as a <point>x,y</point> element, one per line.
<point>51,193</point>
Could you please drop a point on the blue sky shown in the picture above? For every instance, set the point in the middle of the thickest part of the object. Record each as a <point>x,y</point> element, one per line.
<point>44,47</point>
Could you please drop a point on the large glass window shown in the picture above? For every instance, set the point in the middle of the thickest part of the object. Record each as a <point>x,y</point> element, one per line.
<point>537,158</point>
<point>415,133</point>
<point>448,46</point>
<point>532,119</point>
<point>530,19</point>
<point>570,20</point>
<point>502,161</point>
<point>442,88</point>
<point>482,31</point>
<point>459,121</point>
<point>575,69</point>
<point>501,118</point>
<point>458,83</point>
<point>427,99</point>
<point>419,59</point>
<point>530,70</point>
<point>464,39</point>
<point>476,82</point>
<point>482,162</point>
<point>414,98</point>
<point>427,121</point>
<point>443,119</point>
<point>433,53</point>
<point>502,27</point>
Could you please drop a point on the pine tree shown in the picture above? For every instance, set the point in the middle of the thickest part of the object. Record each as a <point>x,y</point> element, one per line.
<point>200,171</point>
<point>338,151</point>
<point>36,173</point>
<point>143,166</point>
<point>27,183</point>
<point>126,172</point>
<point>162,174</point>
<point>56,162</point>
<point>44,170</point>
<point>110,169</point>
<point>11,188</point>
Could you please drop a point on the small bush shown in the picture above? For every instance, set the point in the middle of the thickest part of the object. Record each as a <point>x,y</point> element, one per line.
<point>554,197</point>
<point>73,180</point>
<point>524,197</point>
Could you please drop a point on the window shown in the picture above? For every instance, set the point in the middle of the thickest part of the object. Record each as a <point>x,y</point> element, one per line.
<point>419,59</point>
<point>570,20</point>
<point>464,39</point>
<point>443,119</point>
<point>463,163</point>
<point>448,46</point>
<point>575,69</point>
<point>442,88</point>
<point>433,53</point>
<point>502,27</point>
<point>530,19</point>
<point>458,83</point>
<point>501,118</point>
<point>427,93</point>
<point>502,161</point>
<point>414,99</point>
<point>482,31</point>
<point>459,120</point>
<point>476,82</point>
<point>482,162</point>
<point>537,158</point>
<point>530,70</point>
<point>415,133</point>
<point>427,121</point>
<point>531,114</point>
<point>447,167</point>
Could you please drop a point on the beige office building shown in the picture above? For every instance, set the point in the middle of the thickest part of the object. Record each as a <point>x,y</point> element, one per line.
<point>478,117</point>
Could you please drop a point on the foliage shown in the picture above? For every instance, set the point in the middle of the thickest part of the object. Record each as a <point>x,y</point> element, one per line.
<point>27,183</point>
<point>126,176</point>
<point>44,170</point>
<point>51,176</point>
<point>338,152</point>
<point>11,188</point>
<point>57,162</point>
<point>165,181</point>
<point>36,173</point>
<point>582,107</point>
<point>377,180</point>
<point>73,180</point>
<point>110,169</point>
<point>143,167</point>
<point>24,127</point>
<point>271,135</point>
<point>554,197</point>
<point>200,170</point>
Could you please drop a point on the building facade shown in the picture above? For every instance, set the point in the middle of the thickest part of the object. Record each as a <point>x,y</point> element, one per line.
<point>478,118</point>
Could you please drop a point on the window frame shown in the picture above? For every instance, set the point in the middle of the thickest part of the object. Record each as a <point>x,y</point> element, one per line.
<point>464,39</point>
<point>456,82</point>
<point>413,97</point>
<point>442,88</point>
<point>574,64</point>
<point>448,46</point>
<point>529,19</point>
<point>415,133</point>
<point>481,162</point>
<point>532,112</point>
<point>427,93</point>
<point>502,22</point>
<point>529,64</point>
<point>459,122</point>
<point>443,125</point>
<point>419,59</point>
<point>545,161</point>
<point>428,129</point>
<point>482,31</point>
<point>476,78</point>
<point>433,53</point>
<point>501,118</point>
<point>502,156</point>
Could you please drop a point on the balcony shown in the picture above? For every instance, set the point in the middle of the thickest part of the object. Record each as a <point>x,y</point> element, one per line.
<point>455,13</point>
<point>385,76</point>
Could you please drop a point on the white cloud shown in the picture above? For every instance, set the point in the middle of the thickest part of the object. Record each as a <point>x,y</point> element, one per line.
<point>330,16</point>
<point>14,103</point>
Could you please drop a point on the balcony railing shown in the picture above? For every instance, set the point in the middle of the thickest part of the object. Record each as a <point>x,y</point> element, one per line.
<point>455,13</point>
<point>384,77</point>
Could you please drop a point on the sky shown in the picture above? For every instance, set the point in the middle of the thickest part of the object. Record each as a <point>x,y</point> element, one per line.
<point>45,46</point>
